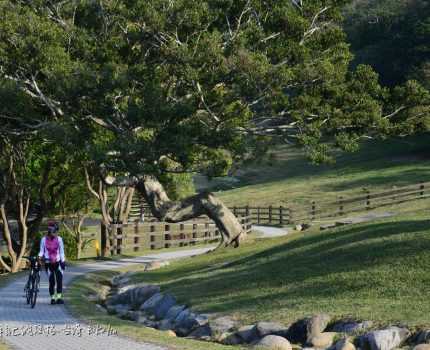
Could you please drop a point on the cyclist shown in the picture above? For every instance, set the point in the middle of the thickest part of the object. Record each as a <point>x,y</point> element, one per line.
<point>52,250</point>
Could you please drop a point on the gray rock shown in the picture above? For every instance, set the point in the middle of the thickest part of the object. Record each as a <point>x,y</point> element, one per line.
<point>297,332</point>
<point>344,344</point>
<point>130,315</point>
<point>222,325</point>
<point>187,321</point>
<point>165,325</point>
<point>149,305</point>
<point>247,333</point>
<point>134,295</point>
<point>203,332</point>
<point>143,320</point>
<point>351,327</point>
<point>422,347</point>
<point>385,339</point>
<point>158,305</point>
<point>316,325</point>
<point>274,342</point>
<point>174,311</point>
<point>230,339</point>
<point>270,328</point>
<point>423,337</point>
<point>322,340</point>
<point>119,309</point>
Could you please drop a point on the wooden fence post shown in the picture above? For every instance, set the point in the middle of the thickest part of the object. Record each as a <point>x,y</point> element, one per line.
<point>313,210</point>
<point>340,205</point>
<point>422,189</point>
<point>247,210</point>
<point>270,214</point>
<point>235,211</point>
<point>136,237</point>
<point>281,215</point>
<point>367,199</point>
<point>258,215</point>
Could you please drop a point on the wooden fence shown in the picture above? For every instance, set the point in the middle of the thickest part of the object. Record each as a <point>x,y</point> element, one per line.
<point>282,215</point>
<point>343,205</point>
<point>139,236</point>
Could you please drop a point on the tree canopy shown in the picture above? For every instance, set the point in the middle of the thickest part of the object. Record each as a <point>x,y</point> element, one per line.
<point>162,87</point>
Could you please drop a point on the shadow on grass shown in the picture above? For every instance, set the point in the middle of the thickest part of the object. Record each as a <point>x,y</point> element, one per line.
<point>322,266</point>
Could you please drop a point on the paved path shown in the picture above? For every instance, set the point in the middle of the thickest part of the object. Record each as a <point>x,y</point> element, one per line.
<point>270,232</point>
<point>15,313</point>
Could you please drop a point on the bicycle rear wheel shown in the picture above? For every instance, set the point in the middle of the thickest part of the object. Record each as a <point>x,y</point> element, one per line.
<point>34,291</point>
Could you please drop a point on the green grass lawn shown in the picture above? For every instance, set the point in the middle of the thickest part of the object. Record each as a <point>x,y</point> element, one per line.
<point>289,179</point>
<point>377,271</point>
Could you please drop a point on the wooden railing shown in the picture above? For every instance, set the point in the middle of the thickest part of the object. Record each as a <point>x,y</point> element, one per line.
<point>368,200</point>
<point>157,235</point>
<point>282,215</point>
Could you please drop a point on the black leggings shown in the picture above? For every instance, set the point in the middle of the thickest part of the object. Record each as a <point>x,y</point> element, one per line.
<point>55,273</point>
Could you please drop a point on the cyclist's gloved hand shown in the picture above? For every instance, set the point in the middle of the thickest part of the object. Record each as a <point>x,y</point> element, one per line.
<point>63,265</point>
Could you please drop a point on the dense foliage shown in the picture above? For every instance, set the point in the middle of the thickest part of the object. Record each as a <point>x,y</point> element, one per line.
<point>393,36</point>
<point>165,87</point>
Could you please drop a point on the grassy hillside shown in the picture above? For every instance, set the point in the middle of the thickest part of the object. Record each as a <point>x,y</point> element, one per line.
<point>376,271</point>
<point>287,178</point>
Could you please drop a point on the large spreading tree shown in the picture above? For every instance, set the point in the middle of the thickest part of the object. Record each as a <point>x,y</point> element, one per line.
<point>144,89</point>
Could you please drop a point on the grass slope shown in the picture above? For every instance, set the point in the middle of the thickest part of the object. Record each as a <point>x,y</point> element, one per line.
<point>376,271</point>
<point>289,179</point>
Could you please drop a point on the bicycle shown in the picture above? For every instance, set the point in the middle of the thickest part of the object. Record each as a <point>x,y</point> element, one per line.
<point>31,288</point>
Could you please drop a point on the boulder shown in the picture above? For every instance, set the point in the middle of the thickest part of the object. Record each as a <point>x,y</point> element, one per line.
<point>173,312</point>
<point>385,339</point>
<point>322,340</point>
<point>423,336</point>
<point>316,325</point>
<point>274,342</point>
<point>222,325</point>
<point>203,332</point>
<point>270,328</point>
<point>247,333</point>
<point>134,295</point>
<point>130,315</point>
<point>351,327</point>
<point>187,321</point>
<point>143,320</point>
<point>297,332</point>
<point>230,339</point>
<point>422,347</point>
<point>119,309</point>
<point>165,325</point>
<point>158,305</point>
<point>344,344</point>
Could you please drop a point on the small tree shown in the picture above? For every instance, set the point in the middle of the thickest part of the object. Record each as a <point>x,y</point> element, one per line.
<point>14,203</point>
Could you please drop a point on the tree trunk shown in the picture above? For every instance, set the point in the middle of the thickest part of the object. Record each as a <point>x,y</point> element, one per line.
<point>15,256</point>
<point>201,204</point>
